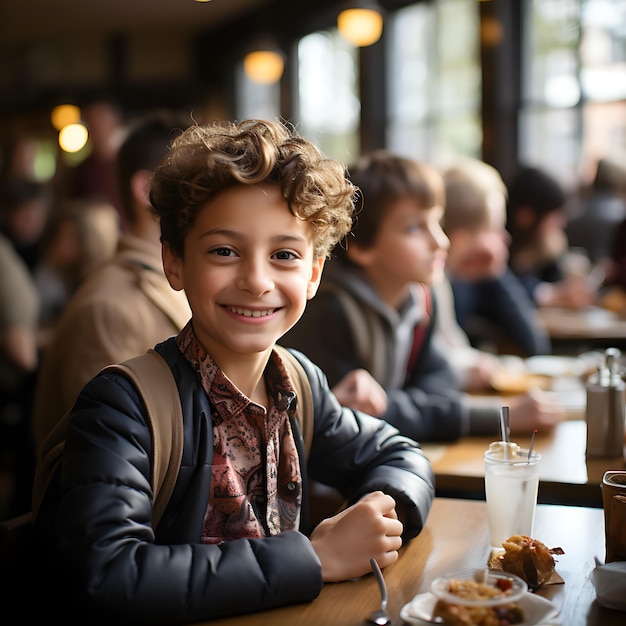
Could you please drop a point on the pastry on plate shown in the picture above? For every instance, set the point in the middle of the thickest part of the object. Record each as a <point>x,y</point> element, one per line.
<point>528,558</point>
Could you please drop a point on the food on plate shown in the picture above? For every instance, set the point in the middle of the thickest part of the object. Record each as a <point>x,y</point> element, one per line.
<point>614,299</point>
<point>528,558</point>
<point>510,382</point>
<point>475,603</point>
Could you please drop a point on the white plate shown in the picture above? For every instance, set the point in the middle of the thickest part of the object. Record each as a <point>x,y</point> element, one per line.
<point>554,366</point>
<point>536,608</point>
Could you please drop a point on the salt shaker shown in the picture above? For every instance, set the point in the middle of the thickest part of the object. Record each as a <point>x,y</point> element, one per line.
<point>605,409</point>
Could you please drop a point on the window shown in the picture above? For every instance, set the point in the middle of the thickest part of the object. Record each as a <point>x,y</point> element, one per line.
<point>603,82</point>
<point>434,80</point>
<point>255,100</point>
<point>574,96</point>
<point>328,107</point>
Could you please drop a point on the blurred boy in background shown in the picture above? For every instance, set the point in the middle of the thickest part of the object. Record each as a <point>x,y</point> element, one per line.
<point>489,303</point>
<point>539,253</point>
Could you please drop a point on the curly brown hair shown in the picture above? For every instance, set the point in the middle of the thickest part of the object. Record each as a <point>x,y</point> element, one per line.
<point>207,159</point>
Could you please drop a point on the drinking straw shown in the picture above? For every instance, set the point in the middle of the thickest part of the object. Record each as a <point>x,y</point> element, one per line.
<point>505,427</point>
<point>530,448</point>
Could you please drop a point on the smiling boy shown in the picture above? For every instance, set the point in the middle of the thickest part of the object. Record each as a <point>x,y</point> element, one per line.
<point>248,213</point>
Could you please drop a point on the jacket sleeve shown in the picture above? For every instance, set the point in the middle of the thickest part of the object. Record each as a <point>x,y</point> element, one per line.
<point>103,530</point>
<point>357,454</point>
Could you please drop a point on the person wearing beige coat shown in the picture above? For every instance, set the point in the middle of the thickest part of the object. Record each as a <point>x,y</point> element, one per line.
<point>123,308</point>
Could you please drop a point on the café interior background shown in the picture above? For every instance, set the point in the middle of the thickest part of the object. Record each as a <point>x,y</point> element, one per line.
<point>508,81</point>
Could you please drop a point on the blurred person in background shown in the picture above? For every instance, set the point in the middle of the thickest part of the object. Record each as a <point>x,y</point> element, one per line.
<point>95,177</point>
<point>80,235</point>
<point>126,305</point>
<point>478,293</point>
<point>25,207</point>
<point>618,258</point>
<point>602,208</point>
<point>27,218</point>
<point>19,359</point>
<point>539,254</point>
<point>613,296</point>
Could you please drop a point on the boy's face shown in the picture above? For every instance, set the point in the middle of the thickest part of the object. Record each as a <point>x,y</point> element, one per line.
<point>410,247</point>
<point>481,252</point>
<point>247,270</point>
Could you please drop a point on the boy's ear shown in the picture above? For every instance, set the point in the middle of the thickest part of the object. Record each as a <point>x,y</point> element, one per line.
<point>316,276</point>
<point>172,266</point>
<point>139,186</point>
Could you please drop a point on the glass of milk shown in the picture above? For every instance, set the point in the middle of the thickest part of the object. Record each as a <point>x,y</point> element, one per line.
<point>511,483</point>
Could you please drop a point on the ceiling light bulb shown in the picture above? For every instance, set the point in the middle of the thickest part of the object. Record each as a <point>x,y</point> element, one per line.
<point>64,114</point>
<point>360,26</point>
<point>73,137</point>
<point>264,66</point>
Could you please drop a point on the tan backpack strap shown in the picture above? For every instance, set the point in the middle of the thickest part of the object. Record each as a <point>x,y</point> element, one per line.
<point>300,381</point>
<point>155,382</point>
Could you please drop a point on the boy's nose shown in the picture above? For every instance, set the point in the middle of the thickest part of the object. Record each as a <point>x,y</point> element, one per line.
<point>440,238</point>
<point>255,278</point>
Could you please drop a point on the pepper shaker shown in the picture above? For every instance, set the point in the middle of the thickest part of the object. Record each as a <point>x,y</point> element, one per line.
<point>605,409</point>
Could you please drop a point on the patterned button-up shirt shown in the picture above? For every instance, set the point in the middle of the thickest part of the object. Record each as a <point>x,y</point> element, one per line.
<point>256,487</point>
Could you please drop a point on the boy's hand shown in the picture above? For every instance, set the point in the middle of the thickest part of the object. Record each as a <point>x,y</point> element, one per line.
<point>479,375</point>
<point>536,409</point>
<point>346,542</point>
<point>360,391</point>
<point>570,293</point>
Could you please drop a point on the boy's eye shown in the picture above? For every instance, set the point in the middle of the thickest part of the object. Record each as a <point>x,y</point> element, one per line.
<point>285,255</point>
<point>413,228</point>
<point>222,251</point>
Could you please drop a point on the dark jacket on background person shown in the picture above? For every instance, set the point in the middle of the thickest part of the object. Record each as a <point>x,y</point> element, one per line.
<point>424,401</point>
<point>106,477</point>
<point>503,306</point>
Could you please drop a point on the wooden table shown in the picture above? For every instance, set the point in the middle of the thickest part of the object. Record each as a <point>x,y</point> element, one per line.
<point>456,538</point>
<point>589,328</point>
<point>566,475</point>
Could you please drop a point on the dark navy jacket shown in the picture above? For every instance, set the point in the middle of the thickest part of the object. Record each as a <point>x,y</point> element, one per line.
<point>96,516</point>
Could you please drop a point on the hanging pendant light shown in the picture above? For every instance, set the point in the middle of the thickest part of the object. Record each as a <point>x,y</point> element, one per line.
<point>264,64</point>
<point>361,22</point>
<point>64,114</point>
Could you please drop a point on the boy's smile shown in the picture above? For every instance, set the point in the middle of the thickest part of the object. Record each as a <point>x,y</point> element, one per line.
<point>247,270</point>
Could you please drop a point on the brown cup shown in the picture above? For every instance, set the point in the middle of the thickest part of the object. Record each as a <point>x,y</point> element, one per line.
<point>614,502</point>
